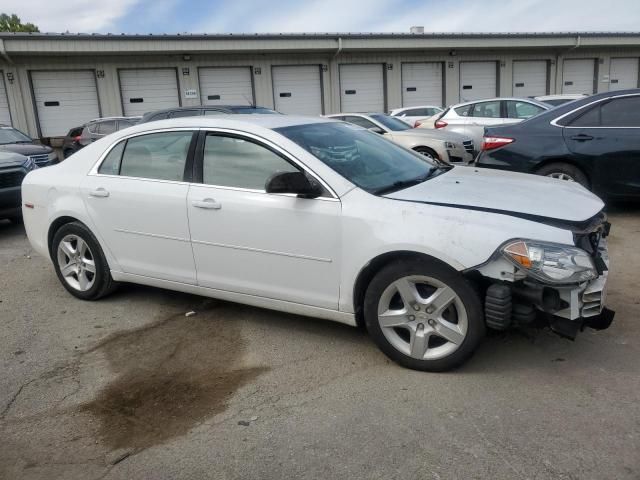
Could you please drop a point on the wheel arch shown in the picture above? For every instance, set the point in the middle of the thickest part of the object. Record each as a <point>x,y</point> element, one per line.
<point>376,264</point>
<point>55,226</point>
<point>568,161</point>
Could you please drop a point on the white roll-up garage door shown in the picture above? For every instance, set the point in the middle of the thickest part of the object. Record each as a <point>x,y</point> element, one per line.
<point>623,73</point>
<point>226,86</point>
<point>297,89</point>
<point>421,84</point>
<point>64,99</point>
<point>5,114</point>
<point>530,78</point>
<point>146,90</point>
<point>578,75</point>
<point>478,80</point>
<point>362,88</point>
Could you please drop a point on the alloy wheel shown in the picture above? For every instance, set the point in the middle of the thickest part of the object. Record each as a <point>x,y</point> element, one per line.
<point>422,317</point>
<point>76,263</point>
<point>561,176</point>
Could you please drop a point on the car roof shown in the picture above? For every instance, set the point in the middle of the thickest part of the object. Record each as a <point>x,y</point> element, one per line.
<point>102,119</point>
<point>519,99</point>
<point>230,121</point>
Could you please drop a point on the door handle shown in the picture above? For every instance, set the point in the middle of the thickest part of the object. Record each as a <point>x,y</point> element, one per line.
<point>207,203</point>
<point>99,192</point>
<point>582,138</point>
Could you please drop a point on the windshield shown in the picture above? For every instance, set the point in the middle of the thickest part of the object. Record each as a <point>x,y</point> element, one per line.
<point>252,110</point>
<point>391,123</point>
<point>362,157</point>
<point>11,135</point>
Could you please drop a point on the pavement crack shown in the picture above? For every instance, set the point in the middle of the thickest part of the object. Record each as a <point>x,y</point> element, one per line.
<point>13,399</point>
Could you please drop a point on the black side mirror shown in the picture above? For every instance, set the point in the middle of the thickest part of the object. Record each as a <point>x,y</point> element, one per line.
<point>376,130</point>
<point>293,182</point>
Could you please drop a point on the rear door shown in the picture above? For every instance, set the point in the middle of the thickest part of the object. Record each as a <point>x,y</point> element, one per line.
<point>137,199</point>
<point>606,140</point>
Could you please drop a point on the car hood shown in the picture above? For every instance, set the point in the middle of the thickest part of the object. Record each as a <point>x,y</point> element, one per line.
<point>8,159</point>
<point>432,133</point>
<point>26,148</point>
<point>522,195</point>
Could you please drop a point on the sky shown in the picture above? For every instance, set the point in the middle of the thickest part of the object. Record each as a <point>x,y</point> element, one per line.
<point>286,16</point>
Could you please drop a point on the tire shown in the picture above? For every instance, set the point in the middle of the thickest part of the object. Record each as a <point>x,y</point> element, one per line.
<point>565,171</point>
<point>414,335</point>
<point>75,251</point>
<point>427,152</point>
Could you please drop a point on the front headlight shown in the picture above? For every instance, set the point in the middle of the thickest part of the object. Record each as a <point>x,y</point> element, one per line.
<point>551,262</point>
<point>450,145</point>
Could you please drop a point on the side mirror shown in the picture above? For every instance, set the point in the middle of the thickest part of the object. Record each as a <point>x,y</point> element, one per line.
<point>376,130</point>
<point>293,182</point>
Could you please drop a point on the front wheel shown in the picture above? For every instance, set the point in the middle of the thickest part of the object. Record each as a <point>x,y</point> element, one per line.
<point>424,315</point>
<point>80,263</point>
<point>427,152</point>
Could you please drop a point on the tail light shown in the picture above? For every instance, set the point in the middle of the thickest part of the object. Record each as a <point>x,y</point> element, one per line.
<point>417,124</point>
<point>440,124</point>
<point>491,143</point>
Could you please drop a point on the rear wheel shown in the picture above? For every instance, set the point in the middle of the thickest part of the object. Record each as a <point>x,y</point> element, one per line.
<point>424,315</point>
<point>565,171</point>
<point>80,263</point>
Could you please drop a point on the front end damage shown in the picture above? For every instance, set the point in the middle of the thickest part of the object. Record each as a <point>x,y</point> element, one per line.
<point>514,295</point>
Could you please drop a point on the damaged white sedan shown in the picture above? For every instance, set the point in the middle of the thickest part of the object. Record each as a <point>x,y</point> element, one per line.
<point>329,220</point>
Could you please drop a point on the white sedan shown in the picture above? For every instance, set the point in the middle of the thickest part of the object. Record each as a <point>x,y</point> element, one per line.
<point>324,219</point>
<point>409,115</point>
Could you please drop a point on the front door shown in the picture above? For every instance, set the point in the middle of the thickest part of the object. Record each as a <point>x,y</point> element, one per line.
<point>606,137</point>
<point>137,200</point>
<point>248,241</point>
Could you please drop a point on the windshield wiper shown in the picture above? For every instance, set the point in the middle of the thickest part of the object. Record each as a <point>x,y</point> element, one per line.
<point>402,184</point>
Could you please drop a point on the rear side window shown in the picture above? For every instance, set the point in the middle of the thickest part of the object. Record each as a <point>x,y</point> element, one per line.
<point>522,110</point>
<point>160,156</point>
<point>619,112</point>
<point>362,122</point>
<point>486,110</point>
<point>105,128</point>
<point>126,124</point>
<point>463,111</point>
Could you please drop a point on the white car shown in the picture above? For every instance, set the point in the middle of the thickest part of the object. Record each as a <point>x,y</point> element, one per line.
<point>559,99</point>
<point>471,118</point>
<point>409,115</point>
<point>324,219</point>
<point>450,147</point>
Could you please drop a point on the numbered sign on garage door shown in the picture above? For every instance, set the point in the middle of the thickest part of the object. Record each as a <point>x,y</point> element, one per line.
<point>623,73</point>
<point>362,88</point>
<point>64,99</point>
<point>421,84</point>
<point>5,115</point>
<point>478,80</point>
<point>578,75</point>
<point>530,78</point>
<point>297,89</point>
<point>226,86</point>
<point>146,90</point>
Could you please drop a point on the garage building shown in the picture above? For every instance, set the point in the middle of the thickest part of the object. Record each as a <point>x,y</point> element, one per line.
<point>53,82</point>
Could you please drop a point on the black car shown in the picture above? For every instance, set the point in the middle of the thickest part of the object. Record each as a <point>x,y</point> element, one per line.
<point>13,168</point>
<point>79,137</point>
<point>204,110</point>
<point>12,140</point>
<point>594,141</point>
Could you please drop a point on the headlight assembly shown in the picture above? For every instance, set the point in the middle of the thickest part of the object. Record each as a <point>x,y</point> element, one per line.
<point>551,262</point>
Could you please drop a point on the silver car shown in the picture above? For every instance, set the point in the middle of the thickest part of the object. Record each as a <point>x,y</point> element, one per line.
<point>471,118</point>
<point>449,147</point>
